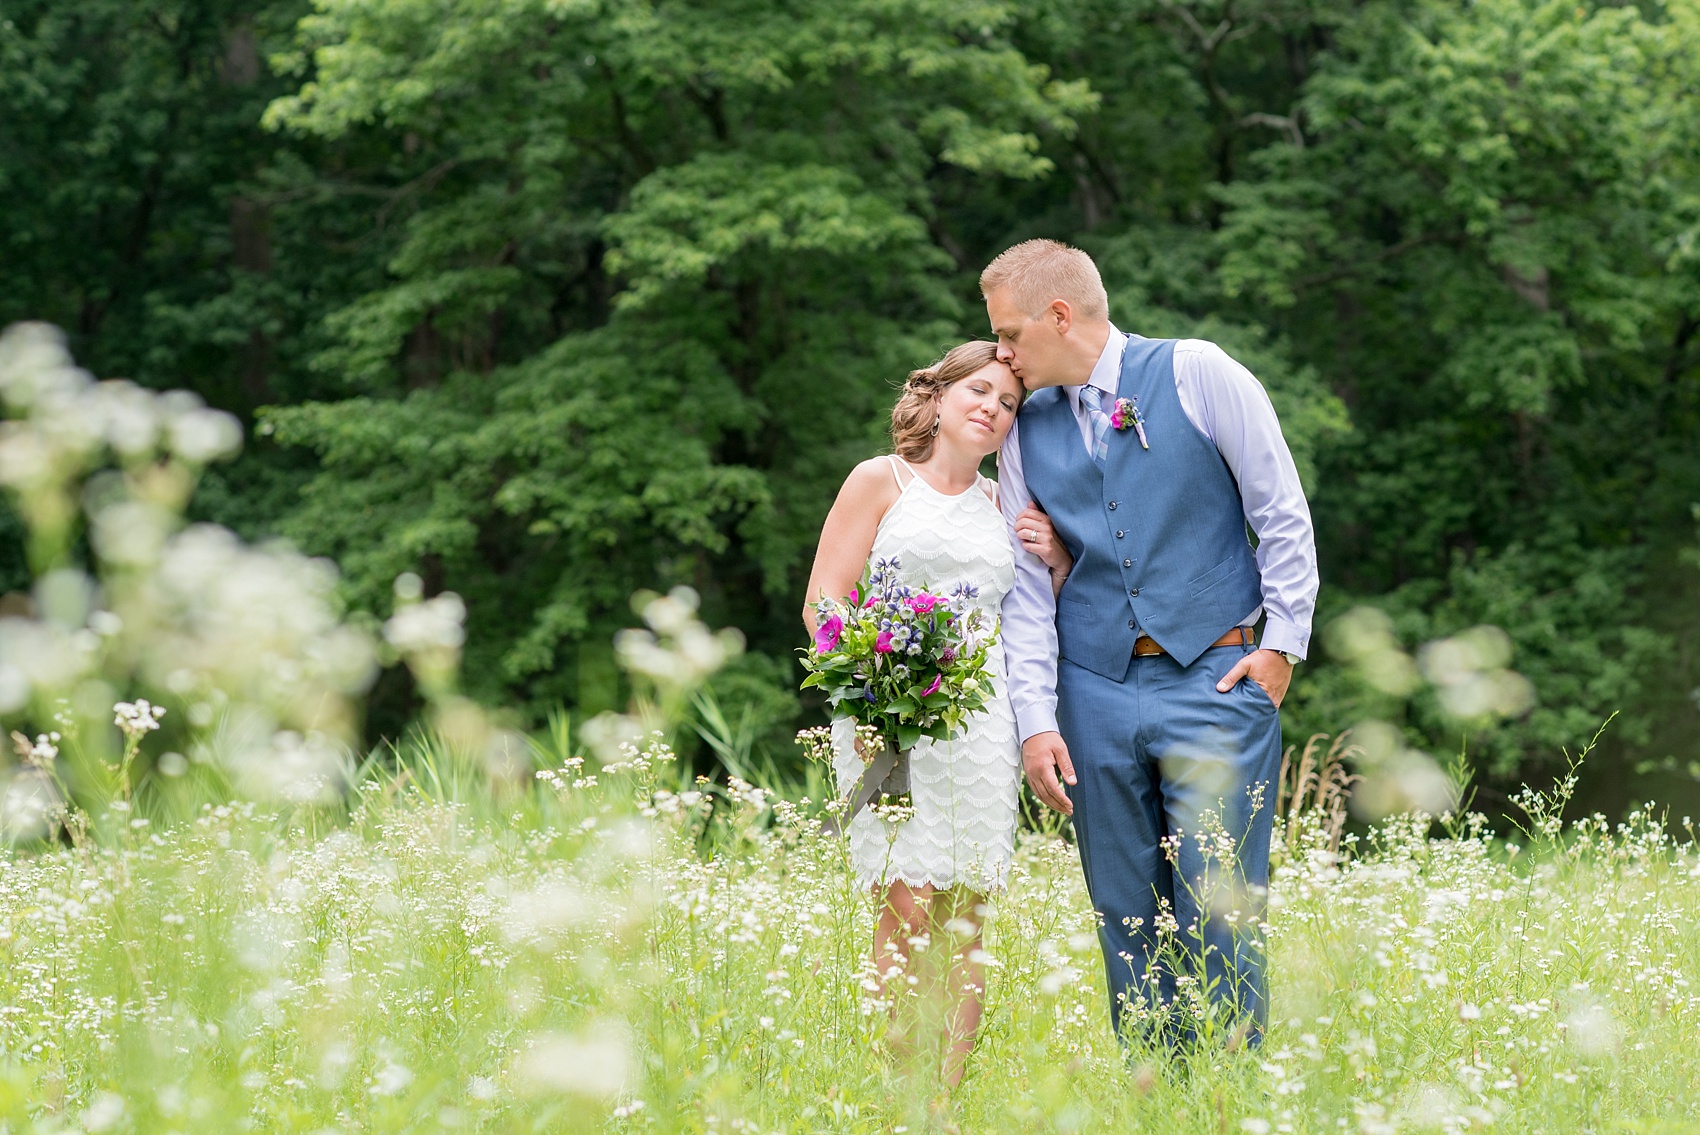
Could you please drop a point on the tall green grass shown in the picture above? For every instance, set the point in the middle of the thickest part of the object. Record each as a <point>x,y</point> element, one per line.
<point>625,949</point>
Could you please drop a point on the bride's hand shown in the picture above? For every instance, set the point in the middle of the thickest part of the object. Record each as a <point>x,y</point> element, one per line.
<point>1037,535</point>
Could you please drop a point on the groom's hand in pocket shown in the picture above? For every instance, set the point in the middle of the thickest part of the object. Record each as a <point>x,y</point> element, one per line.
<point>1268,668</point>
<point>1044,758</point>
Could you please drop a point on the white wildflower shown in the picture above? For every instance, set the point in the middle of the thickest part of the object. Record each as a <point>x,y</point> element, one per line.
<point>437,623</point>
<point>200,435</point>
<point>138,718</point>
<point>390,1079</point>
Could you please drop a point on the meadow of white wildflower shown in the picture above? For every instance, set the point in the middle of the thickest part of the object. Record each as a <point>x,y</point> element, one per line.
<point>624,949</point>
<point>215,917</point>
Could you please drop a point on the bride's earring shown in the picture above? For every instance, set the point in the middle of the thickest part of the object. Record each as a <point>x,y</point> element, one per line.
<point>936,422</point>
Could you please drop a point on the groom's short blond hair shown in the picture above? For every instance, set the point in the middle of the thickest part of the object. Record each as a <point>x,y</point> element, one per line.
<point>1037,272</point>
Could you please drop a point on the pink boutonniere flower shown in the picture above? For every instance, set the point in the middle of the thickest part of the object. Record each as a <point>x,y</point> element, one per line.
<point>1127,415</point>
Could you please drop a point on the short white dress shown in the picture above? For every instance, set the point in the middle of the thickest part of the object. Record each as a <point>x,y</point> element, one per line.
<point>965,789</point>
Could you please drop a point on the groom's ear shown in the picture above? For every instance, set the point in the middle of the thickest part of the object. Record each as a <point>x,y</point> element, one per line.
<point>1060,316</point>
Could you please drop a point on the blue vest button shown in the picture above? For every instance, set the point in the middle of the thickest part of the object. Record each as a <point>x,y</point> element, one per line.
<point>1134,592</point>
<point>1127,563</point>
<point>1131,625</point>
<point>1120,533</point>
<point>1112,505</point>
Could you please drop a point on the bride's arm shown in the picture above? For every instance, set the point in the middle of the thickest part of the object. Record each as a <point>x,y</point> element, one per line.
<point>1037,535</point>
<point>847,537</point>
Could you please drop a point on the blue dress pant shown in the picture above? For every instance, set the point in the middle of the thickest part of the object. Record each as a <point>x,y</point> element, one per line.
<point>1173,812</point>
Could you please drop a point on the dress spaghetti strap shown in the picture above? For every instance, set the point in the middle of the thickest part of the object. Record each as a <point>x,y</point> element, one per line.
<point>989,487</point>
<point>896,464</point>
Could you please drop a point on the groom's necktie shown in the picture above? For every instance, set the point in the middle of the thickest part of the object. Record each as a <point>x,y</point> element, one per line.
<point>1093,399</point>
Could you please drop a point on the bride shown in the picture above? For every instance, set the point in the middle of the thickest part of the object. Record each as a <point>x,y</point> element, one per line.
<point>928,507</point>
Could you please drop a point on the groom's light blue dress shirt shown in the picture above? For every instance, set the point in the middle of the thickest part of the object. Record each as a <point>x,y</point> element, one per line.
<point>1230,407</point>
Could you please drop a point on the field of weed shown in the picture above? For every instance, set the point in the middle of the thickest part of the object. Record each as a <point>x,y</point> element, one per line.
<point>621,948</point>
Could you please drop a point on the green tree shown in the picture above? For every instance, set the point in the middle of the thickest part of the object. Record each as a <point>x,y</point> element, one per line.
<point>1482,241</point>
<point>554,300</point>
<point>655,291</point>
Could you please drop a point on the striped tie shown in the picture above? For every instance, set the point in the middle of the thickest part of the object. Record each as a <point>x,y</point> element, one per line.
<point>1093,399</point>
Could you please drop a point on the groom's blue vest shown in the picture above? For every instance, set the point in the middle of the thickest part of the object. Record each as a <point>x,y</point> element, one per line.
<point>1158,535</point>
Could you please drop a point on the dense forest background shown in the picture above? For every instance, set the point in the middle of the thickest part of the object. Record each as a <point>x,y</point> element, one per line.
<point>550,300</point>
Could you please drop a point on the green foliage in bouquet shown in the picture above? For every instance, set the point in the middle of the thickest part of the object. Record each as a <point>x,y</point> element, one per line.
<point>908,662</point>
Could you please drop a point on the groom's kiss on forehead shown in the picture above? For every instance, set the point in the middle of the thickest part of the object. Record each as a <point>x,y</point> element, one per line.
<point>1050,313</point>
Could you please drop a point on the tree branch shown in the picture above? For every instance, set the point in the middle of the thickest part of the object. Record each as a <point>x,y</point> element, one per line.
<point>424,183</point>
<point>1287,124</point>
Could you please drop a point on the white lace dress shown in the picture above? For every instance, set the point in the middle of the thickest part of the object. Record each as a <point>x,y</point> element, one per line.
<point>964,788</point>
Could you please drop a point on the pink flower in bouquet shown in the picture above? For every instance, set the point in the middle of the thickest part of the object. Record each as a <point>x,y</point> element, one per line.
<point>882,644</point>
<point>934,688</point>
<point>923,603</point>
<point>828,633</point>
<point>855,597</point>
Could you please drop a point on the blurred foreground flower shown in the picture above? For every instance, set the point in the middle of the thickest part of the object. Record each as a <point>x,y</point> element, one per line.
<point>1470,674</point>
<point>62,424</point>
<point>677,652</point>
<point>1364,638</point>
<point>1592,1028</point>
<point>428,634</point>
<point>667,661</point>
<point>1395,779</point>
<point>249,641</point>
<point>1473,686</point>
<point>595,1063</point>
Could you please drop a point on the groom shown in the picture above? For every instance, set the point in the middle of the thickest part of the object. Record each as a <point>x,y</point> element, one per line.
<point>1141,685</point>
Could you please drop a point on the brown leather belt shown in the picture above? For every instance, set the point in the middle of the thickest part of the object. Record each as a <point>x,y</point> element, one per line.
<point>1144,646</point>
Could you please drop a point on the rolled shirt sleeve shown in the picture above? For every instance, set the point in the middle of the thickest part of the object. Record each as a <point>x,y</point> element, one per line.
<point>1029,610</point>
<point>1230,407</point>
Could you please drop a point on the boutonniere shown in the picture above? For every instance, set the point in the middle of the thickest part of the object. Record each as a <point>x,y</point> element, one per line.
<point>1127,416</point>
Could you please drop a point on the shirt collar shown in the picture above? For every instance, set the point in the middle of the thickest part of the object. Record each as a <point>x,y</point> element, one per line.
<point>1106,372</point>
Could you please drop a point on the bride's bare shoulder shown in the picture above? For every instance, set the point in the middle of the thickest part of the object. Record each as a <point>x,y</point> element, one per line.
<point>870,488</point>
<point>876,475</point>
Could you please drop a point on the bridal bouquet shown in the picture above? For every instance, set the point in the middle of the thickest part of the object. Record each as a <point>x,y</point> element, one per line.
<point>903,664</point>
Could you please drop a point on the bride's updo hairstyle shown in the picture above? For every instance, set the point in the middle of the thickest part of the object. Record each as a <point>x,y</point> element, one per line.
<point>917,409</point>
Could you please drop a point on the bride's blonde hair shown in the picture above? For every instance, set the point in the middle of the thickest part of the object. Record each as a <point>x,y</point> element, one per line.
<point>914,420</point>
